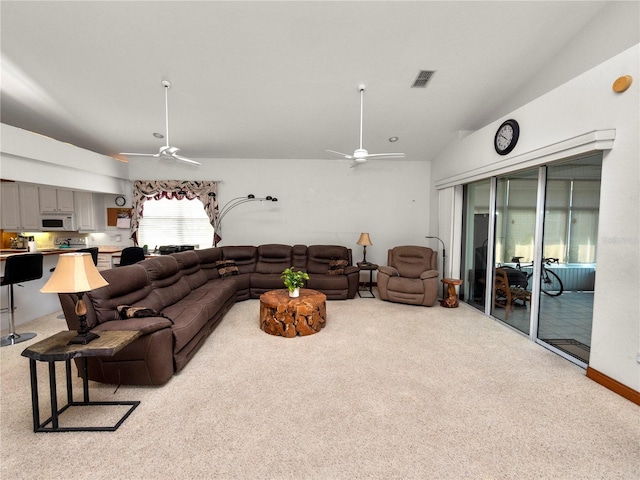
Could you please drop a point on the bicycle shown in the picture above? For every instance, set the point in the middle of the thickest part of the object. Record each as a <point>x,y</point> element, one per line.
<point>550,282</point>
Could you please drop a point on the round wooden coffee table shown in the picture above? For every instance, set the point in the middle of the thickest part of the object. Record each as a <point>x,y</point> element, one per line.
<point>287,317</point>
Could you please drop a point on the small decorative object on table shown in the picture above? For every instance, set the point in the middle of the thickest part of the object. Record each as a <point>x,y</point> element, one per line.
<point>294,280</point>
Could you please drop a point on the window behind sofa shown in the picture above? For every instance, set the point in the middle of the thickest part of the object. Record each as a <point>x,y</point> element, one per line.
<point>175,222</point>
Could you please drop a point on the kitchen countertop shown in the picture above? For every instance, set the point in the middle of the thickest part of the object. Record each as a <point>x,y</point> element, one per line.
<point>5,252</point>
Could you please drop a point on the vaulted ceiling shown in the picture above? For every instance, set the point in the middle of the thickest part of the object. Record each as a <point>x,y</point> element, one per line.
<point>272,79</point>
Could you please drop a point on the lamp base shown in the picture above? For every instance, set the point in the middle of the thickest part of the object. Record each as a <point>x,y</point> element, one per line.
<point>83,338</point>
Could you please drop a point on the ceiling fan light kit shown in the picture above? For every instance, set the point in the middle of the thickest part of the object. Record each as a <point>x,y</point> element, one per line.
<point>166,151</point>
<point>361,155</point>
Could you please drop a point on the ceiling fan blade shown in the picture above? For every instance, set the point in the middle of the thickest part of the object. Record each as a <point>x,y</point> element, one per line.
<point>156,155</point>
<point>341,154</point>
<point>186,160</point>
<point>386,155</point>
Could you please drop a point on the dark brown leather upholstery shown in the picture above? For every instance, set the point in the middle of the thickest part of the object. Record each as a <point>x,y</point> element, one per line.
<point>410,276</point>
<point>187,288</point>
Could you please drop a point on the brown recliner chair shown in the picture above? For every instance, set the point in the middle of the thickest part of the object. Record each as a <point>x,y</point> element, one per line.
<point>411,276</point>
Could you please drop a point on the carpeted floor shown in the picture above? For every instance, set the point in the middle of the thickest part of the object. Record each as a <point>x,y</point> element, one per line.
<point>384,391</point>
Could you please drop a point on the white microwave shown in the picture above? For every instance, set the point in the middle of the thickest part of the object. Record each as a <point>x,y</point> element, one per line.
<point>60,222</point>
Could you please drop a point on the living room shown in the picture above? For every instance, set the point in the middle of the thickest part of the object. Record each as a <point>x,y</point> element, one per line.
<point>323,200</point>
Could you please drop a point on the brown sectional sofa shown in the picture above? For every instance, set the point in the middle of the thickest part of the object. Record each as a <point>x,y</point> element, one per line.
<point>191,296</point>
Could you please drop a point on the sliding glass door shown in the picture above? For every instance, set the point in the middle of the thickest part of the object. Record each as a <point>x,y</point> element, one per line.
<point>532,236</point>
<point>515,223</point>
<point>476,235</point>
<point>569,256</point>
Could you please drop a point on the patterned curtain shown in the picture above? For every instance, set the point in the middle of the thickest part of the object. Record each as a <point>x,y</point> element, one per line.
<point>205,191</point>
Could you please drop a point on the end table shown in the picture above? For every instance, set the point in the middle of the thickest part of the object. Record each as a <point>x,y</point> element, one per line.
<point>370,267</point>
<point>56,349</point>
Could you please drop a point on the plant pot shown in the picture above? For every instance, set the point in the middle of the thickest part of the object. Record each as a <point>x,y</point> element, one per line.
<point>295,293</point>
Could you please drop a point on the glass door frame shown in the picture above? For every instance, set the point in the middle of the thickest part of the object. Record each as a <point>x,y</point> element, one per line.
<point>538,243</point>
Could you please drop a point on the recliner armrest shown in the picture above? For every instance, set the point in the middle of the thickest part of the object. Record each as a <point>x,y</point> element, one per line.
<point>428,274</point>
<point>391,271</point>
<point>146,325</point>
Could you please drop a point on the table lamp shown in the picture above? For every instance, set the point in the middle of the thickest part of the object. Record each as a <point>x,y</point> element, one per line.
<point>76,273</point>
<point>365,241</point>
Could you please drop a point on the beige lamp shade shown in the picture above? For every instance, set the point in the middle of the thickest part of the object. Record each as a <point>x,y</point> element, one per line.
<point>364,240</point>
<point>74,273</point>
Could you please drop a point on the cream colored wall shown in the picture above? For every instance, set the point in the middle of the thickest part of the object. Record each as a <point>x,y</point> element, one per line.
<point>585,104</point>
<point>320,201</point>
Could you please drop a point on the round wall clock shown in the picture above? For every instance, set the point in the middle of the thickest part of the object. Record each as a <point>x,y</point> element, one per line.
<point>120,201</point>
<point>506,137</point>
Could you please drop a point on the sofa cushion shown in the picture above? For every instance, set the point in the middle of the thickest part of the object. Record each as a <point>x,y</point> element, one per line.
<point>189,266</point>
<point>128,285</point>
<point>208,258</point>
<point>336,266</point>
<point>273,258</point>
<point>245,257</point>
<point>128,311</point>
<point>165,278</point>
<point>320,256</point>
<point>227,268</point>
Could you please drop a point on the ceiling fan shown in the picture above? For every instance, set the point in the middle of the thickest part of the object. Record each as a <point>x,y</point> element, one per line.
<point>166,151</point>
<point>360,155</point>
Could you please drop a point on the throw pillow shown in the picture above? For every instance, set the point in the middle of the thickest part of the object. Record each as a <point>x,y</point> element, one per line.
<point>226,268</point>
<point>337,266</point>
<point>127,311</point>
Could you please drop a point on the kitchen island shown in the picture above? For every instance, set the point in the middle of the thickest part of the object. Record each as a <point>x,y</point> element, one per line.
<point>30,302</point>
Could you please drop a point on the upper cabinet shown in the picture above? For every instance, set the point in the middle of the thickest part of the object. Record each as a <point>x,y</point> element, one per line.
<point>89,215</point>
<point>20,210</point>
<point>53,200</point>
<point>10,206</point>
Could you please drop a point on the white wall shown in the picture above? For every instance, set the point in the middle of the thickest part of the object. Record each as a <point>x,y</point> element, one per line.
<point>29,157</point>
<point>585,104</point>
<point>319,201</point>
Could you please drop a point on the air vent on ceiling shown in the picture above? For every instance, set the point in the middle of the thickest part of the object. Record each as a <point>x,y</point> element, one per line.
<point>423,78</point>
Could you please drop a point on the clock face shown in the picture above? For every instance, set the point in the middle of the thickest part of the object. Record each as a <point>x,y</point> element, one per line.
<point>120,201</point>
<point>506,137</point>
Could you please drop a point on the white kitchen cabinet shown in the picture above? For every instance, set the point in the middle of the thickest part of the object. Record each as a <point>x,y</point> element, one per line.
<point>53,200</point>
<point>20,211</point>
<point>29,211</point>
<point>89,211</point>
<point>104,261</point>
<point>10,206</point>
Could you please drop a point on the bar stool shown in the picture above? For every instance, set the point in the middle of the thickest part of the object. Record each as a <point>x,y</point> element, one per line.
<point>18,269</point>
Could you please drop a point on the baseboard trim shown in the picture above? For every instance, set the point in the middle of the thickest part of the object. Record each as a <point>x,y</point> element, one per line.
<point>613,385</point>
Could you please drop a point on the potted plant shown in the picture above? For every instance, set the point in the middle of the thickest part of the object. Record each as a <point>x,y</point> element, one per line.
<point>294,280</point>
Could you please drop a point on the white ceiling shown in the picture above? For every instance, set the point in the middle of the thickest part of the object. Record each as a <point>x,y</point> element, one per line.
<point>274,79</point>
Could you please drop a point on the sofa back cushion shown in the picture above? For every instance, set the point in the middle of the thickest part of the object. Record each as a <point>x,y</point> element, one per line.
<point>128,285</point>
<point>208,258</point>
<point>299,256</point>
<point>189,266</point>
<point>412,260</point>
<point>168,284</point>
<point>319,257</point>
<point>245,257</point>
<point>273,258</point>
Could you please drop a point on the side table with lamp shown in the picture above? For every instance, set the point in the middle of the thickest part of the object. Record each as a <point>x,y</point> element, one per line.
<point>365,241</point>
<point>74,273</point>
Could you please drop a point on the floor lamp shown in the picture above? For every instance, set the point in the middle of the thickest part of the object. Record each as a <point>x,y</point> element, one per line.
<point>444,257</point>
<point>230,205</point>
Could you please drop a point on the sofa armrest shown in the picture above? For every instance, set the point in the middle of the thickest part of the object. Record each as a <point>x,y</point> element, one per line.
<point>391,271</point>
<point>351,269</point>
<point>428,274</point>
<point>145,325</point>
